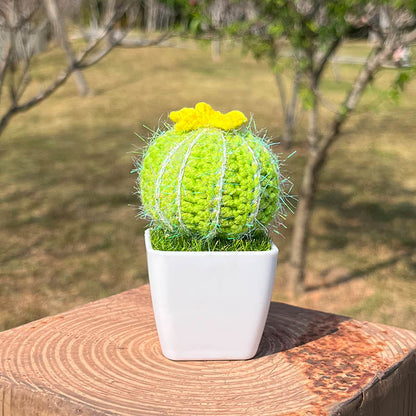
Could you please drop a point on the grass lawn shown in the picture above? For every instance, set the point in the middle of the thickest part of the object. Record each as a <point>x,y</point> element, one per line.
<point>68,232</point>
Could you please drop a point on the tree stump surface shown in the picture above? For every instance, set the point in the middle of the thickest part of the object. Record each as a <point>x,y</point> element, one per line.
<point>104,358</point>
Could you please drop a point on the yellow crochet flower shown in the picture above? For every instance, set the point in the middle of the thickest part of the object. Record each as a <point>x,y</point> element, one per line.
<point>203,115</point>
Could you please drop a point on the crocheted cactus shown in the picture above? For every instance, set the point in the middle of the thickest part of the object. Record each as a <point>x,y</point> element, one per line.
<point>206,178</point>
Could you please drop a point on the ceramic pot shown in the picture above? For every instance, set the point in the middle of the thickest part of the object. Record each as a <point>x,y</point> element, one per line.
<point>210,305</point>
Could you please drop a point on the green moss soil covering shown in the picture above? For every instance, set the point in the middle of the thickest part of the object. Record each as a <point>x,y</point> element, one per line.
<point>164,240</point>
<point>209,182</point>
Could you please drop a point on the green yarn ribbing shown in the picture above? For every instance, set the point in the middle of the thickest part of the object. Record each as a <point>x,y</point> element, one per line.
<point>209,182</point>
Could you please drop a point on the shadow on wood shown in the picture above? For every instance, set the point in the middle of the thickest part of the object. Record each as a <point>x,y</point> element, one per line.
<point>289,326</point>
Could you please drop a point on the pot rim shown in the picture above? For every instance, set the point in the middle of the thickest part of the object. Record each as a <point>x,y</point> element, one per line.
<point>274,250</point>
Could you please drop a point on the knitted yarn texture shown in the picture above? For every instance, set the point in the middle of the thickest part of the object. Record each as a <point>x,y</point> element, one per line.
<point>210,181</point>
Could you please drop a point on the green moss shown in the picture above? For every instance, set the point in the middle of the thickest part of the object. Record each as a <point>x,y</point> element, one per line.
<point>164,240</point>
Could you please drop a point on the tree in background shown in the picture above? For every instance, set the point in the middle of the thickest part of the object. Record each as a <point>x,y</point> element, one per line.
<point>221,14</point>
<point>24,32</point>
<point>58,23</point>
<point>314,31</point>
<point>207,20</point>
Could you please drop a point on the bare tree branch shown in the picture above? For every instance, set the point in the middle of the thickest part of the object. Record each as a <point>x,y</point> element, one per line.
<point>112,42</point>
<point>24,80</point>
<point>16,93</point>
<point>60,32</point>
<point>409,38</point>
<point>4,61</point>
<point>12,88</point>
<point>60,79</point>
<point>105,31</point>
<point>282,91</point>
<point>81,64</point>
<point>92,53</point>
<point>323,59</point>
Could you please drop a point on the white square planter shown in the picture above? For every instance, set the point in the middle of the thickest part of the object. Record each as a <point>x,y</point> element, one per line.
<point>210,305</point>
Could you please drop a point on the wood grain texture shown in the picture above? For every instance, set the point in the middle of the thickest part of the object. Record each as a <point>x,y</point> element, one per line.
<point>104,358</point>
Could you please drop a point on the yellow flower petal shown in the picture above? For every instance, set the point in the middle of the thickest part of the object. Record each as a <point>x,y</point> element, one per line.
<point>203,115</point>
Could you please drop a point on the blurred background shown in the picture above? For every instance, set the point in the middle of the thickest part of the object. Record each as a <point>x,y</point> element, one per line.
<point>81,80</point>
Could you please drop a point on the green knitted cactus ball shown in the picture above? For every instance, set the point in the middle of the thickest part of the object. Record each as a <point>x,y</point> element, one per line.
<point>209,182</point>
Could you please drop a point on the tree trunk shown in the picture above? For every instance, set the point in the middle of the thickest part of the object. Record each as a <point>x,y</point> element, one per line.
<point>4,122</point>
<point>317,156</point>
<point>108,14</point>
<point>216,50</point>
<point>60,31</point>
<point>290,112</point>
<point>151,16</point>
<point>307,196</point>
<point>289,107</point>
<point>287,137</point>
<point>301,230</point>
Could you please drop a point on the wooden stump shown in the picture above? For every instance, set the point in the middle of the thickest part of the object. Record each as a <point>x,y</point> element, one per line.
<point>104,358</point>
